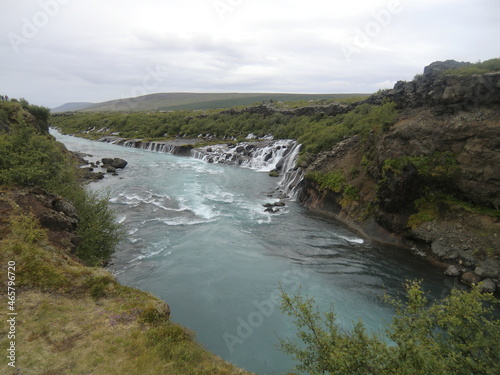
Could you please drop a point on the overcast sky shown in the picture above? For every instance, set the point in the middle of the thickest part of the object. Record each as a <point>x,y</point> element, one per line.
<point>58,51</point>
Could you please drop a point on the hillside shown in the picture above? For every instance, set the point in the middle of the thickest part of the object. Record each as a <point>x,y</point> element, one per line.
<point>72,315</point>
<point>192,101</point>
<point>68,107</point>
<point>430,180</point>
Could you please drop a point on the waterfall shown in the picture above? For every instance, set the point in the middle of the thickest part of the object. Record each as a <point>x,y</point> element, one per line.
<point>291,176</point>
<point>265,156</point>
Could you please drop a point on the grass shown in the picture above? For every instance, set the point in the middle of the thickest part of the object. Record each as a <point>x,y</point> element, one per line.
<point>74,319</point>
<point>204,101</point>
<point>428,208</point>
<point>488,66</point>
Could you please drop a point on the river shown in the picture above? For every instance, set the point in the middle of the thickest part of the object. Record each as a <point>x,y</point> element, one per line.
<point>198,237</point>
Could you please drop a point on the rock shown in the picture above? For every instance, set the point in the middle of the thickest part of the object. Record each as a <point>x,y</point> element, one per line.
<point>107,161</point>
<point>439,249</point>
<point>119,163</point>
<point>64,206</point>
<point>110,169</point>
<point>470,278</point>
<point>57,221</point>
<point>274,173</point>
<point>270,210</point>
<point>487,286</point>
<point>452,271</point>
<point>280,204</point>
<point>163,309</point>
<point>488,269</point>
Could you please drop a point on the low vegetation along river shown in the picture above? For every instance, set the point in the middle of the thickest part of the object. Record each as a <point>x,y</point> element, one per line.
<point>199,238</point>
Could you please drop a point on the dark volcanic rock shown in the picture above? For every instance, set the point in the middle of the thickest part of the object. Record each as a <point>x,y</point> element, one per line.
<point>435,89</point>
<point>470,278</point>
<point>119,163</point>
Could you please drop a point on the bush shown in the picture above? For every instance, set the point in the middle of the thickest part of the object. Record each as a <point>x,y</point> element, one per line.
<point>316,132</point>
<point>456,335</point>
<point>492,65</point>
<point>97,227</point>
<point>29,157</point>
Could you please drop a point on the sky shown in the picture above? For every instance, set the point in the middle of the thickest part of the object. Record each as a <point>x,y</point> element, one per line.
<point>58,51</point>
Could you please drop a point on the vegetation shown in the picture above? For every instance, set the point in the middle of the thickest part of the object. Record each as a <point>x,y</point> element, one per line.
<point>30,157</point>
<point>456,335</point>
<point>79,320</point>
<point>204,101</point>
<point>317,132</point>
<point>76,319</point>
<point>438,165</point>
<point>488,66</point>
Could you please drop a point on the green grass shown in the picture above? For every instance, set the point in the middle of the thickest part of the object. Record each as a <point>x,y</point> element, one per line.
<point>317,132</point>
<point>204,101</point>
<point>488,66</point>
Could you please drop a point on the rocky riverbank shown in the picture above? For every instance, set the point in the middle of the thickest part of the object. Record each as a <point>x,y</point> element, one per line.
<point>430,181</point>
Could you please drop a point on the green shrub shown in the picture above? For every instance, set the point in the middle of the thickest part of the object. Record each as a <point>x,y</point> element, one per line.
<point>492,65</point>
<point>97,227</point>
<point>316,132</point>
<point>27,229</point>
<point>442,165</point>
<point>29,157</point>
<point>334,181</point>
<point>456,335</point>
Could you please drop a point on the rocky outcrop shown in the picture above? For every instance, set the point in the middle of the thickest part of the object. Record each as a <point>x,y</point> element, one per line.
<point>431,181</point>
<point>444,91</point>
<point>54,213</point>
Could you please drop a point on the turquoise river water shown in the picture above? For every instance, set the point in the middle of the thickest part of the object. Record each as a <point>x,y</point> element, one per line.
<point>198,237</point>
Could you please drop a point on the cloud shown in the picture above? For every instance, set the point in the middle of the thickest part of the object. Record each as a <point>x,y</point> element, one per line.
<point>101,50</point>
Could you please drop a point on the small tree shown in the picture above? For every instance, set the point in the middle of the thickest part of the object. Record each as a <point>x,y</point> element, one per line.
<point>456,335</point>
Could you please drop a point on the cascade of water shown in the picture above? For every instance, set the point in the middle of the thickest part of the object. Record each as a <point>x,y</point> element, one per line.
<point>263,156</point>
<point>292,176</point>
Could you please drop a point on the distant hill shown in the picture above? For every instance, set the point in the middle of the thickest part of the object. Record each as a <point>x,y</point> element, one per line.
<point>191,101</point>
<point>71,107</point>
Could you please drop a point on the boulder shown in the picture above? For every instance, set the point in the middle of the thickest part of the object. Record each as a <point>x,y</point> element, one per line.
<point>65,206</point>
<point>107,161</point>
<point>488,269</point>
<point>110,169</point>
<point>119,163</point>
<point>452,271</point>
<point>487,286</point>
<point>470,278</point>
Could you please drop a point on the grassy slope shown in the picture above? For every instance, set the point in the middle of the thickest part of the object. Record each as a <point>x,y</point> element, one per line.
<point>74,319</point>
<point>194,101</point>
